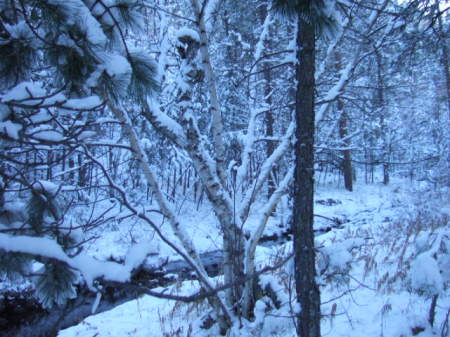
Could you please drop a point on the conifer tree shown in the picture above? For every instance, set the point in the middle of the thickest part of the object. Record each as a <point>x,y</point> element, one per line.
<point>63,61</point>
<point>312,16</point>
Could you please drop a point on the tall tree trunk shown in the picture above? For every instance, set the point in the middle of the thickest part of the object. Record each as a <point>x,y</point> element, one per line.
<point>49,165</point>
<point>308,295</point>
<point>265,65</point>
<point>214,106</point>
<point>445,63</point>
<point>4,183</point>
<point>71,173</point>
<point>347,162</point>
<point>382,111</point>
<point>343,133</point>
<point>269,120</point>
<point>444,59</point>
<point>446,68</point>
<point>82,172</point>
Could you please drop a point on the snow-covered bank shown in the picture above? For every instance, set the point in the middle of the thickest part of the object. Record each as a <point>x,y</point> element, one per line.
<point>367,276</point>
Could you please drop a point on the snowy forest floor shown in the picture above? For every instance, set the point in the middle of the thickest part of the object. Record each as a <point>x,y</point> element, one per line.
<point>373,281</point>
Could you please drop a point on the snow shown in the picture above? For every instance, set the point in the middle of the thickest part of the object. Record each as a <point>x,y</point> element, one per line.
<point>32,245</point>
<point>338,257</point>
<point>117,65</point>
<point>4,112</point>
<point>47,186</point>
<point>165,121</point>
<point>362,305</point>
<point>138,253</point>
<point>358,305</point>
<point>48,135</point>
<point>188,32</point>
<point>387,254</point>
<point>146,144</point>
<point>98,297</point>
<point>335,91</point>
<point>425,275</point>
<point>32,93</point>
<point>263,37</point>
<point>89,267</point>
<point>85,103</point>
<point>41,116</point>
<point>77,12</point>
<point>87,134</point>
<point>139,318</point>
<point>25,91</point>
<point>11,129</point>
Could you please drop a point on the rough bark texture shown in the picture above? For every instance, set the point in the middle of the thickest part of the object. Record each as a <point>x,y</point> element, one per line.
<point>308,295</point>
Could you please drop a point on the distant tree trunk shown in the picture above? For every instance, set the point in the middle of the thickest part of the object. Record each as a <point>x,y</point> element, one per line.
<point>113,168</point>
<point>380,106</point>
<point>49,165</point>
<point>82,172</point>
<point>432,311</point>
<point>343,133</point>
<point>35,171</point>
<point>63,163</point>
<point>308,295</point>
<point>445,66</point>
<point>268,118</point>
<point>347,162</point>
<point>446,69</point>
<point>3,184</point>
<point>444,59</point>
<point>71,173</point>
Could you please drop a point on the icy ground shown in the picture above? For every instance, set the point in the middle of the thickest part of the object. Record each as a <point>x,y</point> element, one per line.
<point>378,272</point>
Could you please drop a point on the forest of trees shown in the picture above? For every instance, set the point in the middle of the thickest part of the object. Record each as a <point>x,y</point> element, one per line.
<point>125,110</point>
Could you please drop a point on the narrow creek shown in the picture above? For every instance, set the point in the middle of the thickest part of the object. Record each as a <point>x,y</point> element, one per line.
<point>22,316</point>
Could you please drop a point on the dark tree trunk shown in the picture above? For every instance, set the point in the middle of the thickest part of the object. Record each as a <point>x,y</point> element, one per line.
<point>49,165</point>
<point>4,183</point>
<point>343,133</point>
<point>347,162</point>
<point>382,110</point>
<point>82,172</point>
<point>308,295</point>
<point>444,59</point>
<point>63,163</point>
<point>432,311</point>
<point>71,173</point>
<point>446,66</point>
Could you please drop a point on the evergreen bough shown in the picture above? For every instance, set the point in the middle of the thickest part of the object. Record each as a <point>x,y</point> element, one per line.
<point>77,48</point>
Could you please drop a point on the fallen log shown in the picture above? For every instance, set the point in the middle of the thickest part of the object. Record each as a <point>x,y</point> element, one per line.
<point>23,316</point>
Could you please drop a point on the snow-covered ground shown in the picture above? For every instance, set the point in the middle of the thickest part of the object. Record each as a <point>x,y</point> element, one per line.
<point>377,277</point>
